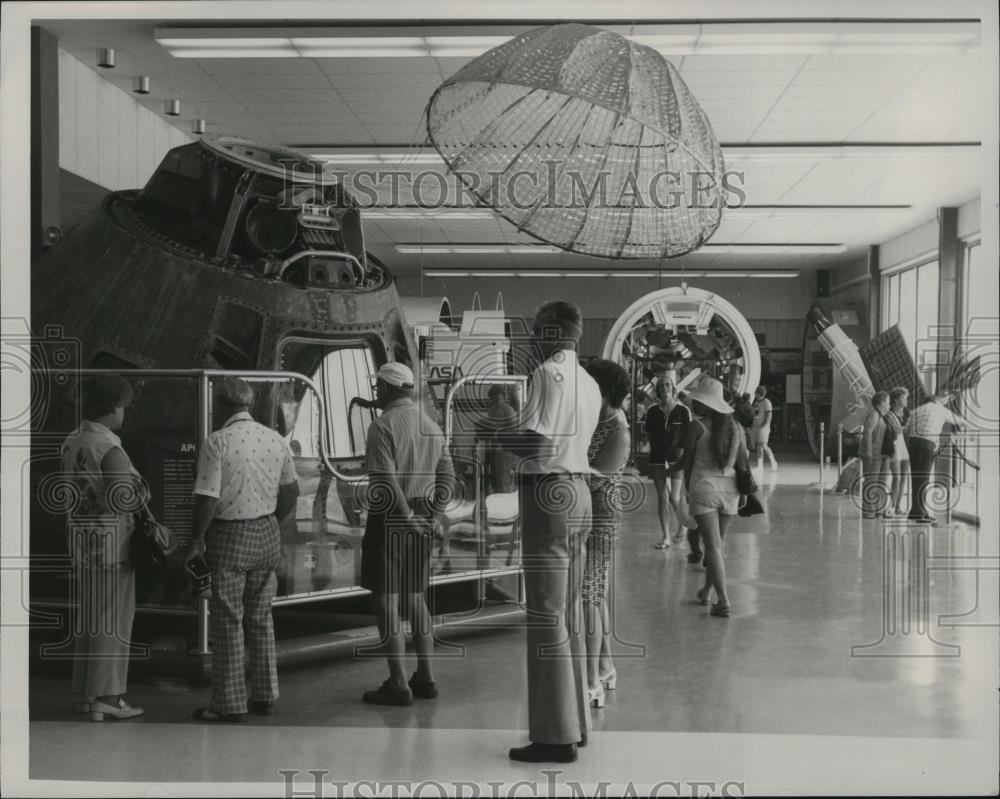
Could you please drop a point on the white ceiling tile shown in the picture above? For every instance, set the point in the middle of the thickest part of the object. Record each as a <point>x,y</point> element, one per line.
<point>821,105</point>
<point>306,97</point>
<point>404,66</point>
<point>768,77</point>
<point>730,91</point>
<point>296,81</point>
<point>871,62</point>
<point>256,66</point>
<point>297,107</point>
<point>451,64</point>
<point>852,77</point>
<point>741,63</point>
<point>912,118</point>
<point>385,80</point>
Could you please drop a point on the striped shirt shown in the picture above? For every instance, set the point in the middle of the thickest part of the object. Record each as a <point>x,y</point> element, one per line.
<point>242,465</point>
<point>406,442</point>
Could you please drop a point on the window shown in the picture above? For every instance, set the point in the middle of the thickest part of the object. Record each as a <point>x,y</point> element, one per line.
<point>980,332</point>
<point>342,375</point>
<point>980,293</point>
<point>911,301</point>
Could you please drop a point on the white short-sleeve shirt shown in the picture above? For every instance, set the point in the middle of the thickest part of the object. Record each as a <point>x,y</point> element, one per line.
<point>928,421</point>
<point>564,405</point>
<point>242,465</point>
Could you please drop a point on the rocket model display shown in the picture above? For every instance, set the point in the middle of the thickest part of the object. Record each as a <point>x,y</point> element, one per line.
<point>847,360</point>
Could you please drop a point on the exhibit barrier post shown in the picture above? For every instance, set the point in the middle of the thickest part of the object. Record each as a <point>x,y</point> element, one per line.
<point>822,454</point>
<point>861,485</point>
<point>840,450</point>
<point>204,430</point>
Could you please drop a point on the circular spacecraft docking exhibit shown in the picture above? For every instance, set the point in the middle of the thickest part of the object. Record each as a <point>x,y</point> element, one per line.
<point>682,334</point>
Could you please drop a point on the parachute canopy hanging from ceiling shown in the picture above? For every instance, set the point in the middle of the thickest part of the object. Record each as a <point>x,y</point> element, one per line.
<point>584,139</point>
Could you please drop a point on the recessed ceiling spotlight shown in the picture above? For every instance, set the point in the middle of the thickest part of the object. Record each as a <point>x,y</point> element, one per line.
<point>140,85</point>
<point>172,108</point>
<point>106,57</point>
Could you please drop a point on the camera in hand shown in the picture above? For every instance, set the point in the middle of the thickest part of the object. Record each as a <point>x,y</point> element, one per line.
<point>200,574</point>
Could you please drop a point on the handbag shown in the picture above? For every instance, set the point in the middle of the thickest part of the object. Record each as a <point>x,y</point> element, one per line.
<point>750,506</point>
<point>745,482</point>
<point>152,544</point>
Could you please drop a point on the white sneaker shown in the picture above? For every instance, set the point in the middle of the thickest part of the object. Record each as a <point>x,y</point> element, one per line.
<point>120,710</point>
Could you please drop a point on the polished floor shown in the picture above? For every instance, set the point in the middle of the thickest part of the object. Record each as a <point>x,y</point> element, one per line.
<point>840,671</point>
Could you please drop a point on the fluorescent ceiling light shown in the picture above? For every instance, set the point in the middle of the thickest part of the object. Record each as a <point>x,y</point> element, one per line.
<point>476,249</point>
<point>883,38</point>
<point>444,273</point>
<point>446,214</point>
<point>378,158</point>
<point>242,52</point>
<point>736,153</point>
<point>533,249</point>
<point>812,211</point>
<point>459,213</point>
<point>770,249</point>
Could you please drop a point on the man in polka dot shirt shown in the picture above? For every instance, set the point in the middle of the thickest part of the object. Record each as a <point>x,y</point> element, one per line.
<point>246,482</point>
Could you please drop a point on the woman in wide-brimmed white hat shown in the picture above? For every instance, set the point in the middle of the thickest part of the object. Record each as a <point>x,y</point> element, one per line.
<point>710,451</point>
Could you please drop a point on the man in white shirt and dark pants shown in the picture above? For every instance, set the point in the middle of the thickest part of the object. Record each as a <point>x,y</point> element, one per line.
<point>561,413</point>
<point>924,432</point>
<point>246,482</point>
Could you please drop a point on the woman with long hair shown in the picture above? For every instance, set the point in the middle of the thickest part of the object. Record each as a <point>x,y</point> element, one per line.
<point>607,455</point>
<point>712,446</point>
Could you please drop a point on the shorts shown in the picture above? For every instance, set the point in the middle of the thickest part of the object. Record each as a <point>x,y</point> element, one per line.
<point>659,474</point>
<point>724,502</point>
<point>759,436</point>
<point>395,556</point>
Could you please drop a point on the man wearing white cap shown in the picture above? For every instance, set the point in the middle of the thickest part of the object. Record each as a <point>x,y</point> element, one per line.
<point>410,479</point>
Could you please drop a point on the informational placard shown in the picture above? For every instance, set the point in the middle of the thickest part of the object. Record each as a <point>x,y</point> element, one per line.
<point>171,465</point>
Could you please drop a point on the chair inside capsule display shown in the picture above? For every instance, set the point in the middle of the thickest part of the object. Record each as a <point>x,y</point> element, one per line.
<point>481,522</point>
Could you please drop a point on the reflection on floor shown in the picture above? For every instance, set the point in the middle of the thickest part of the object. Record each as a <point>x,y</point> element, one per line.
<point>698,698</point>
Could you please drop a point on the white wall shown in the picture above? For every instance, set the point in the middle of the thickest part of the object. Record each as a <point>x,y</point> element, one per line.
<point>104,135</point>
<point>924,238</point>
<point>970,221</point>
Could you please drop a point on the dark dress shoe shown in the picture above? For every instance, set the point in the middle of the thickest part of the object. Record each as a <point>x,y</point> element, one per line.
<point>386,695</point>
<point>425,689</point>
<point>694,557</point>
<point>544,753</point>
<point>260,707</point>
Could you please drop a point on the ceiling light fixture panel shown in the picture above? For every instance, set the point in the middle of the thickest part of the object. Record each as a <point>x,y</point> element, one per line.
<point>742,38</point>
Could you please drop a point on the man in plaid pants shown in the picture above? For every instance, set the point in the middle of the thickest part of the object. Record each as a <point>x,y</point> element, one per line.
<point>246,482</point>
